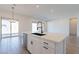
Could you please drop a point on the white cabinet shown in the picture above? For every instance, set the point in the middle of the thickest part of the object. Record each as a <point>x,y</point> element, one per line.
<point>29,43</point>
<point>37,45</point>
<point>47,47</point>
<point>47,50</point>
<point>33,44</point>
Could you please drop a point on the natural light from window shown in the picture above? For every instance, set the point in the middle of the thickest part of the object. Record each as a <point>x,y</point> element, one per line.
<point>34,27</point>
<point>10,27</point>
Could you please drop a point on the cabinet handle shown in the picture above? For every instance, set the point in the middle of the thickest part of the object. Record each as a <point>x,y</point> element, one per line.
<point>45,47</point>
<point>31,42</point>
<point>45,43</point>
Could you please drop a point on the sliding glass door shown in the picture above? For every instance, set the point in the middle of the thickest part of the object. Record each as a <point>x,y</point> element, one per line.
<point>5,28</point>
<point>14,28</point>
<point>9,28</point>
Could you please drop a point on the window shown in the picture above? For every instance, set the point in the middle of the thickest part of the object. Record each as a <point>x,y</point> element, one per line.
<point>5,27</point>
<point>34,27</point>
<point>10,28</point>
<point>15,26</point>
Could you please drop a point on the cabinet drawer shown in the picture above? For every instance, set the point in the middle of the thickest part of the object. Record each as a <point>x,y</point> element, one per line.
<point>47,43</point>
<point>47,50</point>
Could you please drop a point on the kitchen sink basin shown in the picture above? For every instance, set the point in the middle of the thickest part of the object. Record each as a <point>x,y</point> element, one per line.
<point>39,34</point>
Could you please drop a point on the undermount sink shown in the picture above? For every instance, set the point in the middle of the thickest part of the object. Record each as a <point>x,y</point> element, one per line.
<point>39,34</point>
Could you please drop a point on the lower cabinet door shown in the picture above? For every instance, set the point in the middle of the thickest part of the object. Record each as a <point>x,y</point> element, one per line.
<point>33,45</point>
<point>29,44</point>
<point>36,45</point>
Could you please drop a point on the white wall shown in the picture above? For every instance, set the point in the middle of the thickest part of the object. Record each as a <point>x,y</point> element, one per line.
<point>24,21</point>
<point>58,26</point>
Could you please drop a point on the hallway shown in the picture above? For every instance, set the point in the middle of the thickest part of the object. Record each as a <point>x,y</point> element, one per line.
<point>73,45</point>
<point>12,45</point>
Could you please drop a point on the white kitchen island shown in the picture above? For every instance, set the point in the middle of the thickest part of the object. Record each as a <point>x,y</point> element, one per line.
<point>51,43</point>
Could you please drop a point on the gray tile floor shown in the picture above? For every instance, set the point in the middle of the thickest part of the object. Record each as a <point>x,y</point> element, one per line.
<point>12,46</point>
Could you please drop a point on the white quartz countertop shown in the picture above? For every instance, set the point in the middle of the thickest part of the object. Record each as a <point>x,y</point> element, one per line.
<point>56,37</point>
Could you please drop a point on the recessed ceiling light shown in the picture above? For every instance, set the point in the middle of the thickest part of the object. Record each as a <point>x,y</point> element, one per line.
<point>37,6</point>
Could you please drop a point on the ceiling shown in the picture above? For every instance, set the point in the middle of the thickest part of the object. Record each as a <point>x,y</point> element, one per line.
<point>44,11</point>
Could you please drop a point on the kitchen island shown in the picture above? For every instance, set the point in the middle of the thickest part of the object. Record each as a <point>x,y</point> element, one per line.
<point>51,43</point>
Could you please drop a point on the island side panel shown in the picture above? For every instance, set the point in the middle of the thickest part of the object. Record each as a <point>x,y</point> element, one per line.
<point>61,47</point>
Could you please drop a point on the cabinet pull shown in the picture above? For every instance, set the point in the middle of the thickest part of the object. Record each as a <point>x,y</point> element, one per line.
<point>45,43</point>
<point>32,42</point>
<point>45,47</point>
